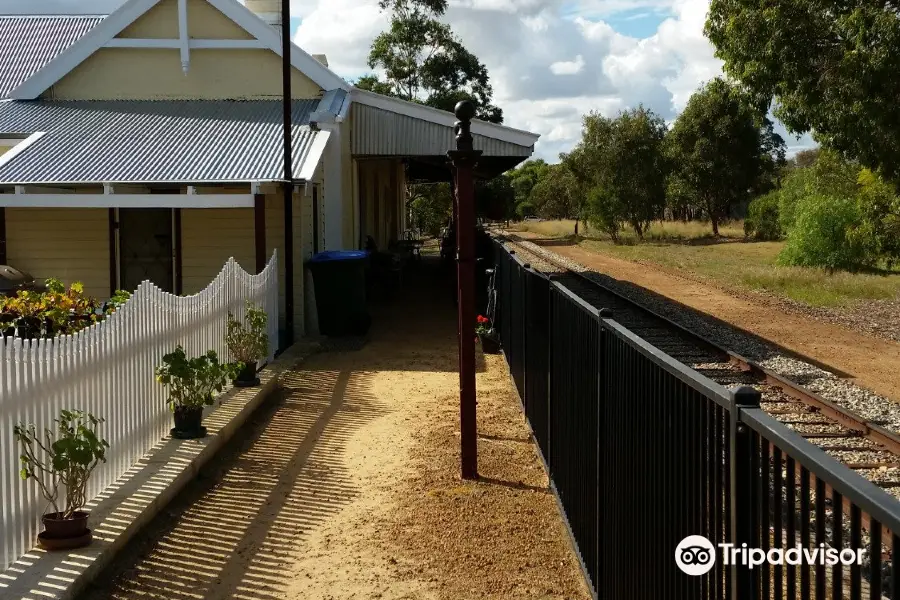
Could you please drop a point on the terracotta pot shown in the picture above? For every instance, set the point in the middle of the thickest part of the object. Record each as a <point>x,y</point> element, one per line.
<point>57,527</point>
<point>188,421</point>
<point>247,377</point>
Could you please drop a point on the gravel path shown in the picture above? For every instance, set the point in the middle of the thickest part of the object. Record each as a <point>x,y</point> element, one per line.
<point>346,486</point>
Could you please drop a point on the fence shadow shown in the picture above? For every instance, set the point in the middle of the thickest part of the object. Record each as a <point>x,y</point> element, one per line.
<point>233,531</point>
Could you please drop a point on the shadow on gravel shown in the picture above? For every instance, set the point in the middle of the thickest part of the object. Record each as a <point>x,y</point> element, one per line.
<point>232,530</point>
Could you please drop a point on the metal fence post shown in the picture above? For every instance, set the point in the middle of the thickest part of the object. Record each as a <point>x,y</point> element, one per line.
<point>744,582</point>
<point>526,308</point>
<point>550,303</point>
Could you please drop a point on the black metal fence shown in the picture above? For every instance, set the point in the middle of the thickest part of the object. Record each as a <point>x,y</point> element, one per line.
<point>643,452</point>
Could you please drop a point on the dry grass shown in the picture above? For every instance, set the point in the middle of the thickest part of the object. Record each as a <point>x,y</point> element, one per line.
<point>659,230</point>
<point>732,262</point>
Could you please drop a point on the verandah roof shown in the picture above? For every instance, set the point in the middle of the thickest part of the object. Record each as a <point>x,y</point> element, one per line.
<point>171,141</point>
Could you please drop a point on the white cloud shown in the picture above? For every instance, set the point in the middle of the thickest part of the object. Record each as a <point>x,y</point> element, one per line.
<point>569,67</point>
<point>550,61</point>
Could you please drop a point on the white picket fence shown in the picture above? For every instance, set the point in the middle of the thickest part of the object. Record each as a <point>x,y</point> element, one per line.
<point>108,370</point>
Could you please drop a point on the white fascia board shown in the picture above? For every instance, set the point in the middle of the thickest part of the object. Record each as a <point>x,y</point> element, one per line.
<point>300,60</point>
<point>314,156</point>
<point>127,200</point>
<point>440,117</point>
<point>78,52</point>
<point>20,147</point>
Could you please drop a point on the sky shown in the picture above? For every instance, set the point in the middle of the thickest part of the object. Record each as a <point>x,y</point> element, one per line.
<point>550,61</point>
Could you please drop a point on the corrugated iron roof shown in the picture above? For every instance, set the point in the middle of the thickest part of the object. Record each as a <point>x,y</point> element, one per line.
<point>27,43</point>
<point>187,141</point>
<point>332,101</point>
<point>378,132</point>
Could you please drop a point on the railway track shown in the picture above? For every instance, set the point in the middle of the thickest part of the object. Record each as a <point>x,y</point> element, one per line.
<point>863,446</point>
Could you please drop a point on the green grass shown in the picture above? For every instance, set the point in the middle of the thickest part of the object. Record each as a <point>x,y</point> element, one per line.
<point>733,263</point>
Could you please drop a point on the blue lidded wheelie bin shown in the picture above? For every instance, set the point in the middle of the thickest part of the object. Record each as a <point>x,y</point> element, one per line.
<point>339,279</point>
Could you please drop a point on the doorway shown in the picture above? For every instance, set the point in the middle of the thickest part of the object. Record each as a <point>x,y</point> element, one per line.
<point>146,247</point>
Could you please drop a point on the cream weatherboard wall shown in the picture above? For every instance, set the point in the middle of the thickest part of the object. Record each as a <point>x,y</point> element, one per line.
<point>304,303</point>
<point>156,74</point>
<point>204,20</point>
<point>70,244</point>
<point>349,198</point>
<point>209,236</point>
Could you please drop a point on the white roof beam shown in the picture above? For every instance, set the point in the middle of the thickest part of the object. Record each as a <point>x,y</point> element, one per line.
<point>175,44</point>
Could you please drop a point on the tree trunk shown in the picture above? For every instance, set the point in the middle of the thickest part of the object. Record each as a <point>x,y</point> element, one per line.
<point>713,217</point>
<point>576,227</point>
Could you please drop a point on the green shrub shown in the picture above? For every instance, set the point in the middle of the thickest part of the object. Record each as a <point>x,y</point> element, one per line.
<point>830,175</point>
<point>525,209</point>
<point>879,208</point>
<point>821,236</point>
<point>605,212</point>
<point>795,187</point>
<point>762,218</point>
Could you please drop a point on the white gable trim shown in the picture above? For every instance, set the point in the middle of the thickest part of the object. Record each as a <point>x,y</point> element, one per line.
<point>20,147</point>
<point>78,52</point>
<point>434,115</point>
<point>129,12</point>
<point>324,77</point>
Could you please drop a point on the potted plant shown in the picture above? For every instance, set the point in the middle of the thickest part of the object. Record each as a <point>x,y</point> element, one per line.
<point>248,343</point>
<point>191,385</point>
<point>66,459</point>
<point>489,342</point>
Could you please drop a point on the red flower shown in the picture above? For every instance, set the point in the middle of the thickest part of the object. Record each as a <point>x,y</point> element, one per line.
<point>482,319</point>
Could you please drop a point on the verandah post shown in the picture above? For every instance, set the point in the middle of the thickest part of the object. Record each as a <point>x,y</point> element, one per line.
<point>463,160</point>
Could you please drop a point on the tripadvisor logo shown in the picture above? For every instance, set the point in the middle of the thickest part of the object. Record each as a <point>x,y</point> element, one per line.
<point>696,555</point>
